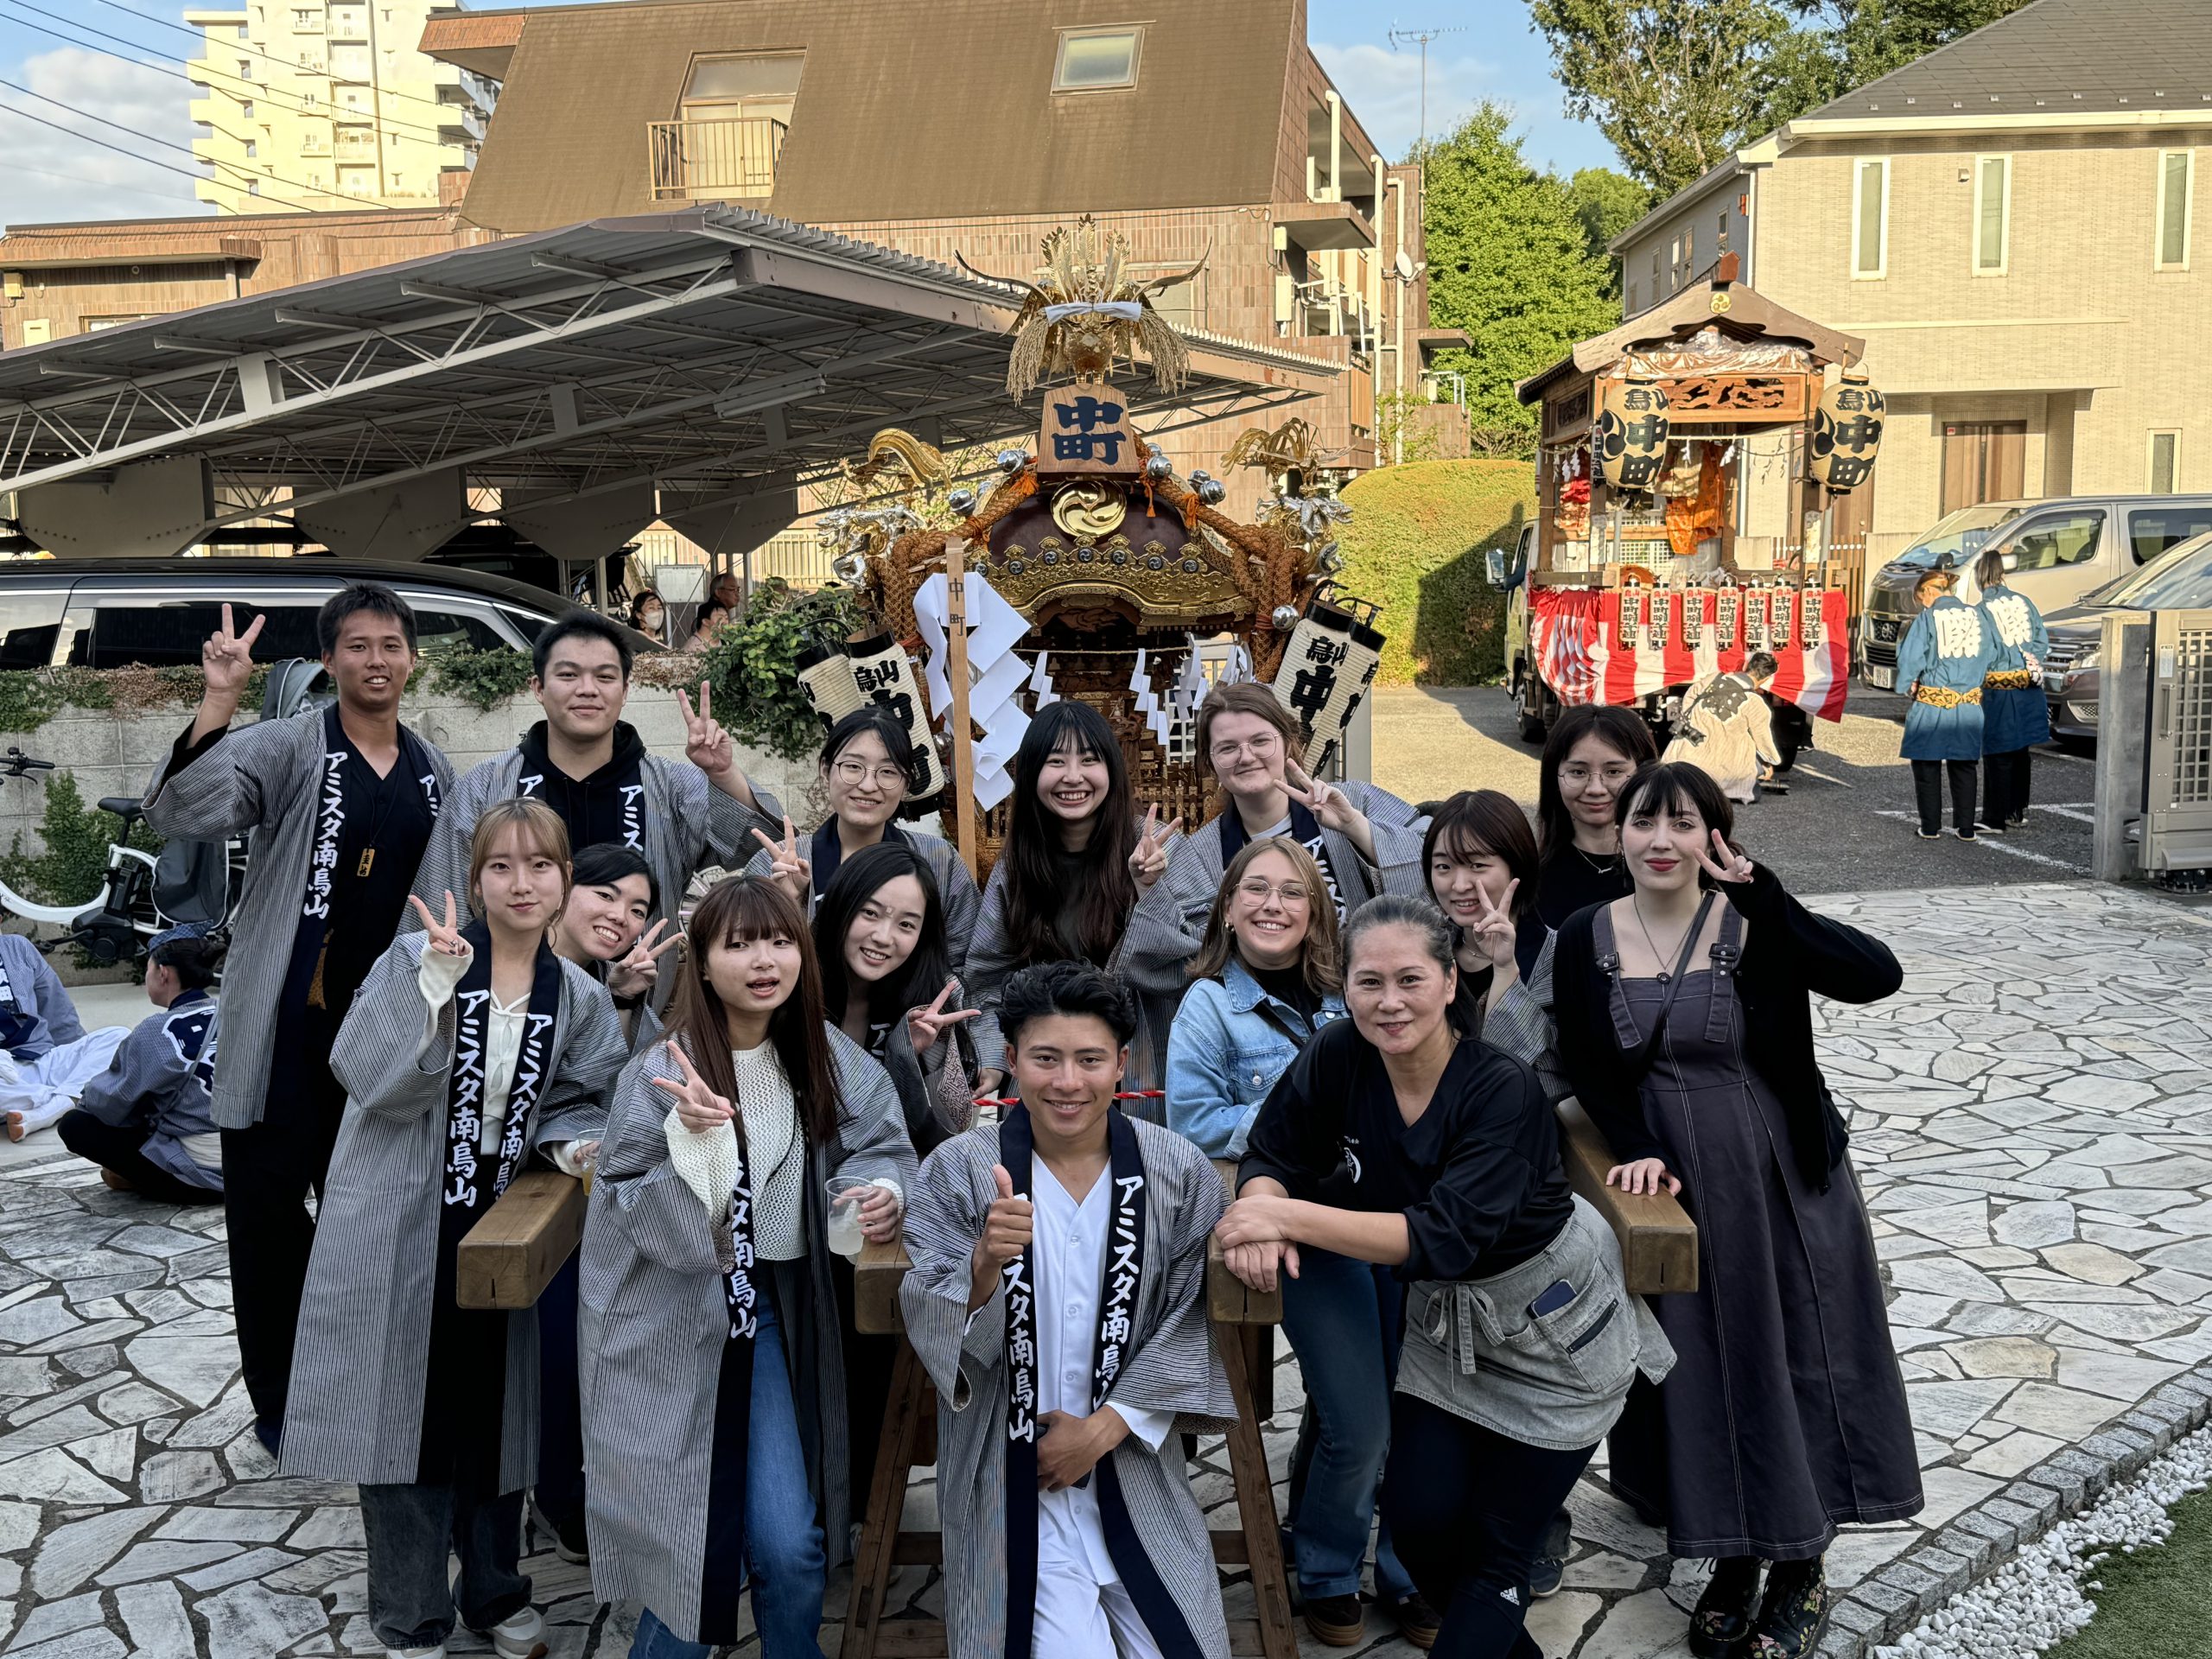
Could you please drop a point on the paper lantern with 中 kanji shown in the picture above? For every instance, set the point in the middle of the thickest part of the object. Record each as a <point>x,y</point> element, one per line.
<point>1847,434</point>
<point>1631,438</point>
<point>883,673</point>
<point>1327,668</point>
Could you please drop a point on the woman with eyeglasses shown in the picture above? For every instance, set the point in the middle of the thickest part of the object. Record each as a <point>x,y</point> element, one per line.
<point>868,765</point>
<point>1594,749</point>
<point>1363,839</point>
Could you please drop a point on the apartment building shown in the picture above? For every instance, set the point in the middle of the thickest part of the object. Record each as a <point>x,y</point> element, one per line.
<point>2011,223</point>
<point>315,105</point>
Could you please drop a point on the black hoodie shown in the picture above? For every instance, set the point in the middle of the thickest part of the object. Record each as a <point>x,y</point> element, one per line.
<point>608,805</point>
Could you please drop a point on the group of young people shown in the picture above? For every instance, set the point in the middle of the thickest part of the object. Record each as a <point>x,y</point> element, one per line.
<point>1374,1007</point>
<point>1974,675</point>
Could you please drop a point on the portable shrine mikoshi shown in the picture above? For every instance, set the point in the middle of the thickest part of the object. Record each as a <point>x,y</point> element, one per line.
<point>1640,583</point>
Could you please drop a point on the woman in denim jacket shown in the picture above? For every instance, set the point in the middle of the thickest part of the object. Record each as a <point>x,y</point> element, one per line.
<point>1264,981</point>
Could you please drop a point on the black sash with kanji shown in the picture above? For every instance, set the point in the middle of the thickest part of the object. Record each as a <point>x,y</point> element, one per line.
<point>1117,1314</point>
<point>340,843</point>
<point>470,1187</point>
<point>15,1026</point>
<point>1305,829</point>
<point>719,1584</point>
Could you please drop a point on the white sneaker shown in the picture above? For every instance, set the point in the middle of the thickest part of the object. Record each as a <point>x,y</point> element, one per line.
<point>520,1637</point>
<point>438,1652</point>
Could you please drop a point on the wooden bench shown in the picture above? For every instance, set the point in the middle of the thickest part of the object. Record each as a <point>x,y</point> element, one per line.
<point>508,1258</point>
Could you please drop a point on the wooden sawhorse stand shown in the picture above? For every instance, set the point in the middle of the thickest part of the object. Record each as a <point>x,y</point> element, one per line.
<point>1242,1320</point>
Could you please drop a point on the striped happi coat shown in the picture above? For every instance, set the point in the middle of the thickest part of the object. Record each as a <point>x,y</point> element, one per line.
<point>262,780</point>
<point>1173,1367</point>
<point>651,1325</point>
<point>956,889</point>
<point>689,825</point>
<point>1170,922</point>
<point>362,1355</point>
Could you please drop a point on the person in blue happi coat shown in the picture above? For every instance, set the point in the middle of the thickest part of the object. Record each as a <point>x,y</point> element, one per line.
<point>47,1057</point>
<point>148,1120</point>
<point>2014,716</point>
<point>1945,657</point>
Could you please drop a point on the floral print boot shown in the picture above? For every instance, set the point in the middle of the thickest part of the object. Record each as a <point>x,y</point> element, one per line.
<point>1794,1612</point>
<point>1721,1622</point>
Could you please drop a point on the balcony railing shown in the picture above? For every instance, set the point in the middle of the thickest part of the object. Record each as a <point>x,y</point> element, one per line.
<point>713,161</point>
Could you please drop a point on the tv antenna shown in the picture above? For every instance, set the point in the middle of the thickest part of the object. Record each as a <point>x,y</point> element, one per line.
<point>1421,37</point>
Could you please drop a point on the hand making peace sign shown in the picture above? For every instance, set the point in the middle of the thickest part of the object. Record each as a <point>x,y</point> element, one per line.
<point>1733,868</point>
<point>926,1024</point>
<point>1493,933</point>
<point>444,936</point>
<point>1148,859</point>
<point>788,864</point>
<point>1328,804</point>
<point>635,974</point>
<point>227,657</point>
<point>698,1107</point>
<point>706,745</point>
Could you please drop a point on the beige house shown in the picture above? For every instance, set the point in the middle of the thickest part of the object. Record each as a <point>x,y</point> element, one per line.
<point>310,105</point>
<point>2017,225</point>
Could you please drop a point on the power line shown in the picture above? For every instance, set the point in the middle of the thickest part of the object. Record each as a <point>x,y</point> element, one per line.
<point>15,166</point>
<point>147,161</point>
<point>262,88</point>
<point>253,51</point>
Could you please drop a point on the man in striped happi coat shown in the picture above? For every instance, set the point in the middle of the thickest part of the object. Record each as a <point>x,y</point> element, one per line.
<point>1057,1299</point>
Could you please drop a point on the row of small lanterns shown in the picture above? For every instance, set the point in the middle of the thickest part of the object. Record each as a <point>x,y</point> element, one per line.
<point>1629,441</point>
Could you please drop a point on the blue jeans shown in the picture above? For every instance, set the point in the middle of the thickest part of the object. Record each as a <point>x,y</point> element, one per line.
<point>1343,1318</point>
<point>784,1561</point>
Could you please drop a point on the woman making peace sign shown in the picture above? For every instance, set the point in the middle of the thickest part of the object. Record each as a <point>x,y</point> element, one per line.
<point>1685,1023</point>
<point>467,1046</point>
<point>714,1391</point>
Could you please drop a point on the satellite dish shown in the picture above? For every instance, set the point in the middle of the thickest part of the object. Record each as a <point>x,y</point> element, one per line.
<point>1404,266</point>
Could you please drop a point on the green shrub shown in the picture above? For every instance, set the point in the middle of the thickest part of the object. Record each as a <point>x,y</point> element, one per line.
<point>1414,545</point>
<point>484,678</point>
<point>75,863</point>
<point>753,665</point>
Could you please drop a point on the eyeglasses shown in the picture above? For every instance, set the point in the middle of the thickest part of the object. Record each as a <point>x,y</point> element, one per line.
<point>859,771</point>
<point>1292,893</point>
<point>1261,747</point>
<point>1574,776</point>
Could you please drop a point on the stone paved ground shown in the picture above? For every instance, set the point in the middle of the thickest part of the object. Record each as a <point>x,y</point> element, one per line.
<point>2033,1128</point>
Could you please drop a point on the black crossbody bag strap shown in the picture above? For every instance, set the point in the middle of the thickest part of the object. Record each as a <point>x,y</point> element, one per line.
<point>1640,1062</point>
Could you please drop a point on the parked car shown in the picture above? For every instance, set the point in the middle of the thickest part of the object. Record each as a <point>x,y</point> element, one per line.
<point>110,613</point>
<point>2182,580</point>
<point>2056,551</point>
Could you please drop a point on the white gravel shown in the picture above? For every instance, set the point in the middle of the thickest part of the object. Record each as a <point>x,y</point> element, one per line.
<point>2046,1593</point>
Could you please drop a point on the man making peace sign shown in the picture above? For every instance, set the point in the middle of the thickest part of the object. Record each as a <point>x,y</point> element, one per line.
<point>338,804</point>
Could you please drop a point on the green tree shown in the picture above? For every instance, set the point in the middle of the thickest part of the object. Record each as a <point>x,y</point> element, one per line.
<point>1843,44</point>
<point>1508,263</point>
<point>1607,203</point>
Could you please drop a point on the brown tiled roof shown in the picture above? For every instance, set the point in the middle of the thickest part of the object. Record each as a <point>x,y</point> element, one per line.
<point>905,112</point>
<point>185,241</point>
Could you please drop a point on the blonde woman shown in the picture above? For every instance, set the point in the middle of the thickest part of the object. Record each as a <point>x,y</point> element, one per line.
<point>470,1046</point>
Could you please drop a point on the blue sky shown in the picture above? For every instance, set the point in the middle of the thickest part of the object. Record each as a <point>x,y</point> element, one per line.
<point>48,176</point>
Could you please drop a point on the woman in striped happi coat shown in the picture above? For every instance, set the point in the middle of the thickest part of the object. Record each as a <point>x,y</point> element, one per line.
<point>715,1427</point>
<point>468,1048</point>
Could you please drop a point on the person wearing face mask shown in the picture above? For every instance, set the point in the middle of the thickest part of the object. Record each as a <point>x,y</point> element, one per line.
<point>716,1436</point>
<point>590,765</point>
<point>469,1045</point>
<point>1077,859</point>
<point>868,765</point>
<point>649,617</point>
<point>1685,1019</point>
<point>1397,1150</point>
<point>1364,840</point>
<point>1592,750</point>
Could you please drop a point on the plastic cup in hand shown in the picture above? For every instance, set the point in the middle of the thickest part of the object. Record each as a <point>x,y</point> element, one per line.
<point>845,1195</point>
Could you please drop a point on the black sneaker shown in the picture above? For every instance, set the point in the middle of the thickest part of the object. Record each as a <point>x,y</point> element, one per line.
<point>569,1543</point>
<point>1418,1622</point>
<point>1336,1621</point>
<point>1550,1564</point>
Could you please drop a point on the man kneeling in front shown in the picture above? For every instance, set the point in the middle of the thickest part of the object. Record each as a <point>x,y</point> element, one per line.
<point>1058,1301</point>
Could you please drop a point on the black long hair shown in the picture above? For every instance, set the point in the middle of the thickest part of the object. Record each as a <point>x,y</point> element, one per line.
<point>1476,820</point>
<point>915,981</point>
<point>1622,729</point>
<point>1105,892</point>
<point>897,743</point>
<point>1665,787</point>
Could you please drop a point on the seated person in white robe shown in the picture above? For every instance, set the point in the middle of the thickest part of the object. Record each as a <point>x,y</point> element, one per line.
<point>148,1120</point>
<point>47,1057</point>
<point>1726,730</point>
<point>1057,1299</point>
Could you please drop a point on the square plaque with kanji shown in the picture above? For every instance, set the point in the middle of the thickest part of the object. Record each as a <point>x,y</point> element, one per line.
<point>1086,433</point>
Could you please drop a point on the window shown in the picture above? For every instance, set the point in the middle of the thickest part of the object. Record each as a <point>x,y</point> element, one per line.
<point>29,625</point>
<point>1992,214</point>
<point>2052,539</point>
<point>246,68</point>
<point>753,87</point>
<point>2165,462</point>
<point>242,34</point>
<point>1655,276</point>
<point>94,325</point>
<point>253,187</point>
<point>1869,219</point>
<point>1097,59</point>
<point>246,109</point>
<point>438,630</point>
<point>2150,532</point>
<point>252,150</point>
<point>2177,179</point>
<point>128,627</point>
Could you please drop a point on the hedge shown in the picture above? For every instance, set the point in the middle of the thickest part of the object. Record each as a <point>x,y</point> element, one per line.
<point>1414,545</point>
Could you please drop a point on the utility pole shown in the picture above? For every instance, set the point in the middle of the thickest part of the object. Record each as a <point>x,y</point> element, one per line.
<point>1421,37</point>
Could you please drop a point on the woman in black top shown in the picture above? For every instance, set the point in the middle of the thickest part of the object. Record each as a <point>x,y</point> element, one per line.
<point>1788,1414</point>
<point>1395,1139</point>
<point>1593,750</point>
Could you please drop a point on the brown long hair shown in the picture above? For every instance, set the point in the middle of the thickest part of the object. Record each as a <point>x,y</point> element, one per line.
<point>1248,697</point>
<point>542,832</point>
<point>1317,956</point>
<point>736,911</point>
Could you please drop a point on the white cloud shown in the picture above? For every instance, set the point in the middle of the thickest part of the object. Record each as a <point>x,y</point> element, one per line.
<point>1384,88</point>
<point>50,175</point>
